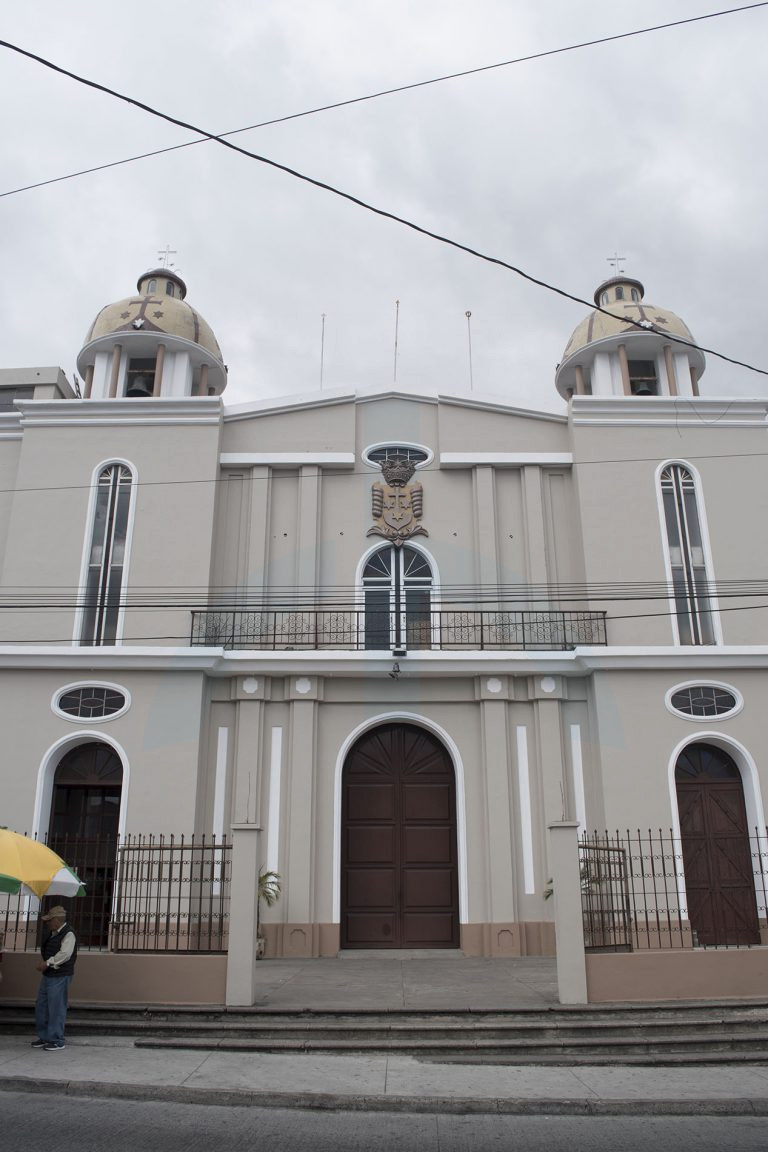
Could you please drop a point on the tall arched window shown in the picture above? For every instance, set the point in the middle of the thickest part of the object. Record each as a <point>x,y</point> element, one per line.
<point>106,557</point>
<point>397,586</point>
<point>687,562</point>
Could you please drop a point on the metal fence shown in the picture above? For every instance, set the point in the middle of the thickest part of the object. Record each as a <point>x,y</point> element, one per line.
<point>143,894</point>
<point>656,889</point>
<point>352,629</point>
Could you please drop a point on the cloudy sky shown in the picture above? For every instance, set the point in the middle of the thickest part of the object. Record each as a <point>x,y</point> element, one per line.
<point>652,147</point>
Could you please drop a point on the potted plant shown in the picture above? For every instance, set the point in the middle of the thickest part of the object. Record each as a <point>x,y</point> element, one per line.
<point>269,892</point>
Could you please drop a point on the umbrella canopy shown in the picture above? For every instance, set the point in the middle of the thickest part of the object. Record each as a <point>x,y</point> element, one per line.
<point>28,864</point>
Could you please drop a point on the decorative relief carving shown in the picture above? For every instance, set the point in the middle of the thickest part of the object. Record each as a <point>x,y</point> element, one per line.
<point>397,505</point>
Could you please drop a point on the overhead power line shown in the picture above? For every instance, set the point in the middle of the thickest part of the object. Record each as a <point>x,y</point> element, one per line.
<point>390,92</point>
<point>641,325</point>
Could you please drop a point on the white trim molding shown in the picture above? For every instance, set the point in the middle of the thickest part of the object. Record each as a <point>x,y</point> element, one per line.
<point>506,459</point>
<point>670,411</point>
<point>287,459</point>
<point>702,683</point>
<point>47,770</point>
<point>526,820</point>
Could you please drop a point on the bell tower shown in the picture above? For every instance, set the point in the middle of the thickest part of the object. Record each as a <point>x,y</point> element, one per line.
<point>153,344</point>
<point>628,347</point>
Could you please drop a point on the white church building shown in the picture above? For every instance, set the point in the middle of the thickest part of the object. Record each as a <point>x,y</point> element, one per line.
<point>377,642</point>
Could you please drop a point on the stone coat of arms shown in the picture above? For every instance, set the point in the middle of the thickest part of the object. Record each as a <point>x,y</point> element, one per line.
<point>397,505</point>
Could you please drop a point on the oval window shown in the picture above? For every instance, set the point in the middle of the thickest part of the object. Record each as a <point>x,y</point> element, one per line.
<point>378,454</point>
<point>703,701</point>
<point>91,702</point>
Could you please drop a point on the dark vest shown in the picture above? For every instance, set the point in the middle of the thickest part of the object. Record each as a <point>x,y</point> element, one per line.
<point>50,947</point>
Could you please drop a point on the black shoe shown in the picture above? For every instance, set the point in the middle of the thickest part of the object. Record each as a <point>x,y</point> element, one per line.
<point>38,1043</point>
<point>54,1046</point>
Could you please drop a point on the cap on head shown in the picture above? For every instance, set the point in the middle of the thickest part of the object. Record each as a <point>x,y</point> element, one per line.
<point>58,912</point>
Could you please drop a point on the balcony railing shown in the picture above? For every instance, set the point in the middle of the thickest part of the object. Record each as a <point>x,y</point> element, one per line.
<point>452,629</point>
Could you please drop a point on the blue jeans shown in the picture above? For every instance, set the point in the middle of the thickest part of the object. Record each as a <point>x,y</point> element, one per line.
<point>51,1008</point>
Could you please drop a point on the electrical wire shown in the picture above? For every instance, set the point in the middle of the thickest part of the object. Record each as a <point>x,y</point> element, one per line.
<point>390,92</point>
<point>642,325</point>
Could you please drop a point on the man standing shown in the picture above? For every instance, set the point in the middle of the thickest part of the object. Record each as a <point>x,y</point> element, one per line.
<point>59,952</point>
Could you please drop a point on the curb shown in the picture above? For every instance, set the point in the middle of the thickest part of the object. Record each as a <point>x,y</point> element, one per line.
<point>336,1102</point>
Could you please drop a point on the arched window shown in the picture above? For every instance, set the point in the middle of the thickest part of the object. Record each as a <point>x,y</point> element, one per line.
<point>152,287</point>
<point>169,289</point>
<point>687,563</point>
<point>619,293</point>
<point>106,556</point>
<point>397,585</point>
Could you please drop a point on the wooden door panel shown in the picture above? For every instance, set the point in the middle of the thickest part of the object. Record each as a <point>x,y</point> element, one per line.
<point>371,801</point>
<point>371,888</point>
<point>429,930</point>
<point>426,801</point>
<point>369,930</point>
<point>427,845</point>
<point>430,888</point>
<point>399,871</point>
<point>370,845</point>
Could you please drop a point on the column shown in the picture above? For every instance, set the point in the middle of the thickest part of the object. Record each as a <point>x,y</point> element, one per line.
<point>117,352</point>
<point>485,525</point>
<point>669,361</point>
<point>299,857</point>
<point>308,526</point>
<point>88,382</point>
<point>624,365</point>
<point>533,518</point>
<point>569,925</point>
<point>241,950</point>
<point>501,883</point>
<point>260,481</point>
<point>159,364</point>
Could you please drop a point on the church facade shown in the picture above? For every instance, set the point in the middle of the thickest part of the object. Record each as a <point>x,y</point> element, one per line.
<point>381,641</point>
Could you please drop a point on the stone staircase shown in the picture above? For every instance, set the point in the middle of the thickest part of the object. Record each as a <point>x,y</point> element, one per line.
<point>661,1034</point>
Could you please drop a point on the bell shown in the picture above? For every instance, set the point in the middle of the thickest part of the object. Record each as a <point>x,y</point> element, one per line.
<point>643,390</point>
<point>140,388</point>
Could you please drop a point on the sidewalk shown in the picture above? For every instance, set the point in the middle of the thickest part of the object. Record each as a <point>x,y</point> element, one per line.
<point>117,1069</point>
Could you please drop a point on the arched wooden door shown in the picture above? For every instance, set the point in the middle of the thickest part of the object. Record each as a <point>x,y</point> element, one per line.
<point>717,858</point>
<point>399,866</point>
<point>83,830</point>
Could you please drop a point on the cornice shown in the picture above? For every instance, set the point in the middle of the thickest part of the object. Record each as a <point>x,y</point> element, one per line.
<point>671,411</point>
<point>220,662</point>
<point>120,411</point>
<point>10,426</point>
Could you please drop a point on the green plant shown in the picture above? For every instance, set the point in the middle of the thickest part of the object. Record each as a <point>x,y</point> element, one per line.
<point>270,886</point>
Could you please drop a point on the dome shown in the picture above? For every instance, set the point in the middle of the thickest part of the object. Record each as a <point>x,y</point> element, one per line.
<point>159,311</point>
<point>634,322</point>
<point>152,344</point>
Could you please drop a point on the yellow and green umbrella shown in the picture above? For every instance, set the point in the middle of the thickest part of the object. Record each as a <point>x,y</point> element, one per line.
<point>27,865</point>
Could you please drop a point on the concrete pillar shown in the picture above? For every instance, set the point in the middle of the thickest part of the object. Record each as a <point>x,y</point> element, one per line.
<point>569,925</point>
<point>308,526</point>
<point>202,388</point>
<point>694,382</point>
<point>551,759</point>
<point>117,352</point>
<point>581,387</point>
<point>299,886</point>
<point>247,767</point>
<point>533,519</point>
<point>669,360</point>
<point>260,482</point>
<point>88,381</point>
<point>159,365</point>
<point>499,853</point>
<point>241,950</point>
<point>624,366</point>
<point>485,525</point>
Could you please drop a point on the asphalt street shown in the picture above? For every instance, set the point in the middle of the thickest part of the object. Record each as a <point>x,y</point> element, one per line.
<point>40,1123</point>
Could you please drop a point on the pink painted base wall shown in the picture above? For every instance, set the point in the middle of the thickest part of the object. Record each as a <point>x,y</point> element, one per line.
<point>109,978</point>
<point>683,975</point>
